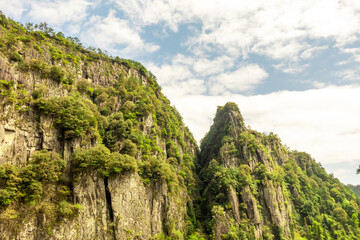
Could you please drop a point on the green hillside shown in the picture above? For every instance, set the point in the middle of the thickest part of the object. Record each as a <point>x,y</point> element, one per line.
<point>356,189</point>
<point>90,148</point>
<point>103,114</point>
<point>254,186</point>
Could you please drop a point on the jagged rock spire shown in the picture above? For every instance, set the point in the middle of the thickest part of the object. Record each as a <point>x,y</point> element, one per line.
<point>228,122</point>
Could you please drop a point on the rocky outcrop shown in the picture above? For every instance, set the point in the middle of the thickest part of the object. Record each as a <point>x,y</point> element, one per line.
<point>91,149</point>
<point>276,211</point>
<point>96,205</point>
<point>256,201</point>
<point>252,211</point>
<point>141,211</point>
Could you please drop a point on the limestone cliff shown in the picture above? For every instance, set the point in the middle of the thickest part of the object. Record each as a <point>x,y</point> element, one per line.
<point>58,98</point>
<point>255,188</point>
<point>91,149</point>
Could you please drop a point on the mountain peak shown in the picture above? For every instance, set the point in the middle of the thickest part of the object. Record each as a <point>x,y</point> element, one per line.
<point>231,106</point>
<point>230,114</point>
<point>228,122</point>
<point>89,140</point>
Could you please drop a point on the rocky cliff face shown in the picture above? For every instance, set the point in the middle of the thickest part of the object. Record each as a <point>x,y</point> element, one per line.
<point>236,151</point>
<point>57,97</point>
<point>142,211</point>
<point>91,149</point>
<point>251,189</point>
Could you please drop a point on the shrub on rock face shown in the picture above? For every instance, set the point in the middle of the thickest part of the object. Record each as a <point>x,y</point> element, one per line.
<point>27,183</point>
<point>128,147</point>
<point>73,115</point>
<point>84,86</point>
<point>121,163</point>
<point>100,158</point>
<point>47,166</point>
<point>15,56</point>
<point>38,66</point>
<point>95,157</point>
<point>57,74</point>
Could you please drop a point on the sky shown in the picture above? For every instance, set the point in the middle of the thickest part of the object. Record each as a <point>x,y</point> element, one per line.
<point>293,67</point>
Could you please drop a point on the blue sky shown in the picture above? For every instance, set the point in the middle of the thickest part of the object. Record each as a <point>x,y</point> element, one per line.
<point>292,66</point>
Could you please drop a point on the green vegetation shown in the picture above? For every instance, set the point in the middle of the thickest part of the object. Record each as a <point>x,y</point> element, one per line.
<point>15,56</point>
<point>250,162</point>
<point>356,189</point>
<point>320,200</point>
<point>73,115</point>
<point>36,188</point>
<point>119,122</point>
<point>100,158</point>
<point>14,98</point>
<point>26,183</point>
<point>219,179</point>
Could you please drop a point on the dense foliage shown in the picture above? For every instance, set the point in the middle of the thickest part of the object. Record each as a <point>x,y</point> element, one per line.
<point>355,188</point>
<point>111,108</point>
<point>27,183</point>
<point>37,187</point>
<point>326,208</point>
<point>248,161</point>
<point>114,114</point>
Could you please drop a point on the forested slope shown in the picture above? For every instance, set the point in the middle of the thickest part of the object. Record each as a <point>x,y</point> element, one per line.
<point>90,148</point>
<point>255,187</point>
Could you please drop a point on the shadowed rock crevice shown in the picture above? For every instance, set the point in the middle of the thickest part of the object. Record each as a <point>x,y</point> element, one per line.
<point>109,207</point>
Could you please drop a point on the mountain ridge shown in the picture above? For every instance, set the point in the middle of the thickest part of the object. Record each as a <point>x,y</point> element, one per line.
<point>254,182</point>
<point>91,149</point>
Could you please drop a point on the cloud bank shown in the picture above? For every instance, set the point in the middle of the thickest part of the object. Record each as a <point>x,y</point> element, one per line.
<point>278,29</point>
<point>323,122</point>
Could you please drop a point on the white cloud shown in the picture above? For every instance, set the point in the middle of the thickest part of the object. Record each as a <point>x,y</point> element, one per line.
<point>280,50</point>
<point>318,84</point>
<point>243,79</point>
<point>333,19</point>
<point>117,36</point>
<point>279,29</point>
<point>177,78</point>
<point>323,122</point>
<point>145,12</point>
<point>349,74</point>
<point>205,67</point>
<point>170,74</point>
<point>183,88</point>
<point>341,63</point>
<point>351,50</point>
<point>59,12</point>
<point>186,75</point>
<point>354,52</point>
<point>290,67</point>
<point>308,53</point>
<point>13,8</point>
